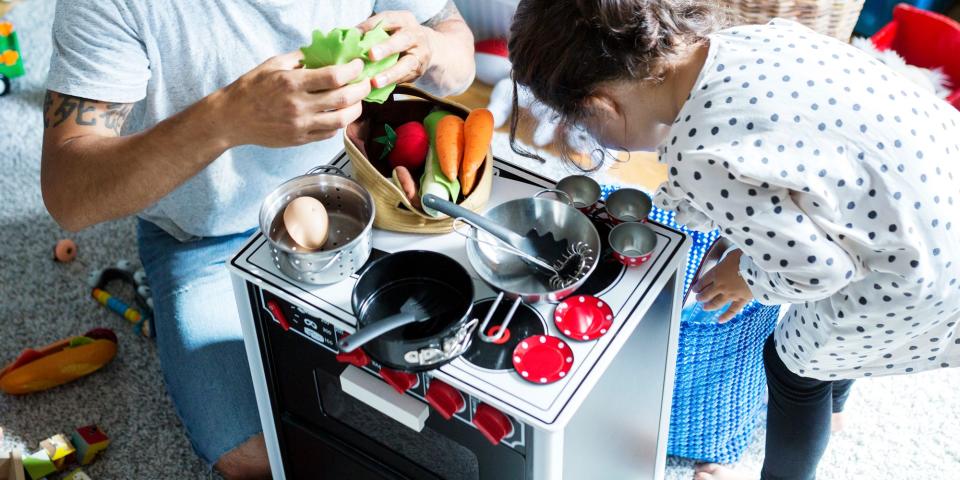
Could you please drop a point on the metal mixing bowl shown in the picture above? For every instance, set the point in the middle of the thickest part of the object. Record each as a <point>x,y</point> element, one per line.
<point>511,273</point>
<point>350,212</point>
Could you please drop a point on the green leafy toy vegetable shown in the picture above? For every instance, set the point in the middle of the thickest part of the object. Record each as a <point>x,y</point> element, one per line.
<point>342,45</point>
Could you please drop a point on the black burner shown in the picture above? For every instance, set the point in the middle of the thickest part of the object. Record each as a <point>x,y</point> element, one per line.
<point>608,269</point>
<point>526,323</point>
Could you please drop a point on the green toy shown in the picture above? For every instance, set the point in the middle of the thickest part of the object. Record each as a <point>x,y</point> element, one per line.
<point>343,45</point>
<point>38,464</point>
<point>11,63</point>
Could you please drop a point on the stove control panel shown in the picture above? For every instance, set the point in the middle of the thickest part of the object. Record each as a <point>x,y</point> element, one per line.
<point>444,399</point>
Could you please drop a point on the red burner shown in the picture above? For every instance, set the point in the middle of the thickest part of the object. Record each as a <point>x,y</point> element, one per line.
<point>542,359</point>
<point>583,317</point>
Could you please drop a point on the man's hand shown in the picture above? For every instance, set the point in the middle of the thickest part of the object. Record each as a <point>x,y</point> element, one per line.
<point>722,285</point>
<point>414,43</point>
<point>440,50</point>
<point>279,104</point>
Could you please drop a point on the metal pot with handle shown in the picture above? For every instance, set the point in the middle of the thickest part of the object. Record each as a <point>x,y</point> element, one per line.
<point>540,222</point>
<point>350,212</point>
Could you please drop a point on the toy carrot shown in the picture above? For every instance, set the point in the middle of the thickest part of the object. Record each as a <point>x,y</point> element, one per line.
<point>477,133</point>
<point>450,145</point>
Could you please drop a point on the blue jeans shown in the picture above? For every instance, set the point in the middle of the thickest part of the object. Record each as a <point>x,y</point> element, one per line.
<point>199,338</point>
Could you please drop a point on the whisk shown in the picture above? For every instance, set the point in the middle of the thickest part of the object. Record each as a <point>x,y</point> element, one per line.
<point>572,263</point>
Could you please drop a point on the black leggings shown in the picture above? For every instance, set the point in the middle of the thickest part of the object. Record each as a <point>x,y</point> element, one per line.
<point>798,418</point>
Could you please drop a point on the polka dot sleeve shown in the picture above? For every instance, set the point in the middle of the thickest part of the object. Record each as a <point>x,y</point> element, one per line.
<point>788,258</point>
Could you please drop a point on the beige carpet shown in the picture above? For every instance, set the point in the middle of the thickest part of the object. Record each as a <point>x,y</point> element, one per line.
<point>900,428</point>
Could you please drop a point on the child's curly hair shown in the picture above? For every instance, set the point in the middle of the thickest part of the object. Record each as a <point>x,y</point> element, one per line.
<point>563,49</point>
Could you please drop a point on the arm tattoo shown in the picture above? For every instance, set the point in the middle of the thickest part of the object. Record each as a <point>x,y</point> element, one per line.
<point>59,108</point>
<point>449,10</point>
<point>115,116</point>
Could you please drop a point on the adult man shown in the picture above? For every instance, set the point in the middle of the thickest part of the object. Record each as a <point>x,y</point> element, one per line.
<point>222,116</point>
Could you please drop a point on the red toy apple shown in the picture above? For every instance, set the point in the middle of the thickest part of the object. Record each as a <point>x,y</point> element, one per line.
<point>406,146</point>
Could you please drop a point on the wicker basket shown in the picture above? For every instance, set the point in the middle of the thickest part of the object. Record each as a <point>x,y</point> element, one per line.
<point>830,17</point>
<point>394,211</point>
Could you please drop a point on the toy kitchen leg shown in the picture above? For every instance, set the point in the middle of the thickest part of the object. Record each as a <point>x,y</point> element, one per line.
<point>629,408</point>
<point>265,405</point>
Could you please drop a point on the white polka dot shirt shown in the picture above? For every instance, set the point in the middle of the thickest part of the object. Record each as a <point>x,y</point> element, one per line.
<point>840,181</point>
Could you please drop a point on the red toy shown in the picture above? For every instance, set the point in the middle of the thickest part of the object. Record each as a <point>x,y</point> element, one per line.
<point>924,39</point>
<point>406,146</point>
<point>89,441</point>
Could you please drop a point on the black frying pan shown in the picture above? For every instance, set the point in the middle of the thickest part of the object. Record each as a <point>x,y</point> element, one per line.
<point>431,278</point>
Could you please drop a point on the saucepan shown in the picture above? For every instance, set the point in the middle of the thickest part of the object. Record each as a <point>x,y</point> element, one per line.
<point>350,211</point>
<point>510,274</point>
<point>413,311</point>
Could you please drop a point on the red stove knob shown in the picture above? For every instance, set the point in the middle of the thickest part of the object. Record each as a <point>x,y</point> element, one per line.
<point>278,314</point>
<point>493,424</point>
<point>357,358</point>
<point>400,381</point>
<point>445,399</point>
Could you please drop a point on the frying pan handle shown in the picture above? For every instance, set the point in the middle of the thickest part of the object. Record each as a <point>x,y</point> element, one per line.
<point>557,192</point>
<point>454,211</point>
<point>367,333</point>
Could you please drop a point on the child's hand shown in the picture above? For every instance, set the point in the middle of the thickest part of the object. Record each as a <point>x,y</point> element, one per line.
<point>722,285</point>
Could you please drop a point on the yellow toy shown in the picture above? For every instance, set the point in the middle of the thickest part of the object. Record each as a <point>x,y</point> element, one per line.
<point>60,450</point>
<point>59,363</point>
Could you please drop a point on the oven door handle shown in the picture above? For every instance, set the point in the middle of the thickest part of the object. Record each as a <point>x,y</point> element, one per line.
<point>381,397</point>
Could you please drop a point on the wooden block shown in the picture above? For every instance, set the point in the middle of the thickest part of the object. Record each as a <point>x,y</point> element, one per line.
<point>77,474</point>
<point>60,449</point>
<point>11,465</point>
<point>89,441</point>
<point>38,464</point>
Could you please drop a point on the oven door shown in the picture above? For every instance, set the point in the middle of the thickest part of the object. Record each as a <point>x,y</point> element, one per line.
<point>326,433</point>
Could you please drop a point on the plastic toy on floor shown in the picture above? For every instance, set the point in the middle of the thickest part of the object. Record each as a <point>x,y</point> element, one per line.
<point>123,272</point>
<point>11,64</point>
<point>77,474</point>
<point>11,465</point>
<point>38,464</point>
<point>89,442</point>
<point>60,450</point>
<point>58,363</point>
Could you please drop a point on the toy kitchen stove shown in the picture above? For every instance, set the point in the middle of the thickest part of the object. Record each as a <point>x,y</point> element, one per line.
<point>339,416</point>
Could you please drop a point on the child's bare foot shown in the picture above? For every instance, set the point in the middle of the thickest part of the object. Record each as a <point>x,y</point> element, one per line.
<point>715,471</point>
<point>837,423</point>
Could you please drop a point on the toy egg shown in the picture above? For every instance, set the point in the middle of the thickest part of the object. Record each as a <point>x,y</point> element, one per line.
<point>306,222</point>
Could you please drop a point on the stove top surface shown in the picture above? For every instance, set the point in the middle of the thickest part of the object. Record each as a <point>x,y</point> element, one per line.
<point>486,369</point>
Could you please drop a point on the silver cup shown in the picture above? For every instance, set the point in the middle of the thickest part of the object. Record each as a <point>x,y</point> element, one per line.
<point>628,205</point>
<point>583,191</point>
<point>632,243</point>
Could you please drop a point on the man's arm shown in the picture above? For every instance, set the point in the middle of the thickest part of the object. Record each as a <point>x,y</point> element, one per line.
<point>90,174</point>
<point>439,52</point>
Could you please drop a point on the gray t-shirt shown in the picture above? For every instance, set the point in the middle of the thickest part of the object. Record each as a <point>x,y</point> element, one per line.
<point>168,54</point>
